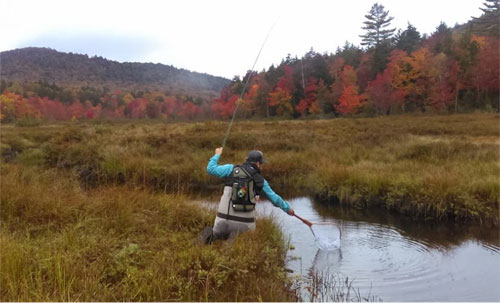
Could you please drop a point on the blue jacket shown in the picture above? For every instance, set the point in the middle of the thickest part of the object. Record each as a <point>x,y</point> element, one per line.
<point>223,171</point>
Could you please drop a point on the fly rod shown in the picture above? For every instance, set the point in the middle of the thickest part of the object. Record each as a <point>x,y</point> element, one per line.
<point>244,87</point>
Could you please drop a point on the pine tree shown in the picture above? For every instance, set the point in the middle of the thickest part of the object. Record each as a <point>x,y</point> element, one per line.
<point>441,40</point>
<point>376,26</point>
<point>488,23</point>
<point>408,40</point>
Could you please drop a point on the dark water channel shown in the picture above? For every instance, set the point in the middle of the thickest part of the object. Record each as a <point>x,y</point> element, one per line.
<point>394,257</point>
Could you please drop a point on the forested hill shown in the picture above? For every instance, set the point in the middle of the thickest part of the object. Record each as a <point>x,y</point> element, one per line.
<point>75,70</point>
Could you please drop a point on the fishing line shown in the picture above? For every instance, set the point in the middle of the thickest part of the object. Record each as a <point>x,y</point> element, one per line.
<point>244,87</point>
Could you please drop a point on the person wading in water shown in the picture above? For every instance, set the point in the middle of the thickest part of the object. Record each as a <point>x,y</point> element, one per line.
<point>243,186</point>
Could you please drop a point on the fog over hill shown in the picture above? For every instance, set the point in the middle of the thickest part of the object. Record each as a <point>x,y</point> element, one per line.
<point>75,70</point>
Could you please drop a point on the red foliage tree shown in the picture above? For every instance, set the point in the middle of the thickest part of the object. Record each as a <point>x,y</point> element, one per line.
<point>286,81</point>
<point>77,110</point>
<point>280,99</point>
<point>137,108</point>
<point>224,108</point>
<point>169,106</point>
<point>53,109</point>
<point>379,93</point>
<point>364,72</point>
<point>190,110</point>
<point>486,70</point>
<point>349,101</point>
<point>310,103</point>
<point>444,72</point>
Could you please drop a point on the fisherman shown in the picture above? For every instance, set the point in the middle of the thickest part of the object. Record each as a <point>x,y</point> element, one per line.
<point>243,186</point>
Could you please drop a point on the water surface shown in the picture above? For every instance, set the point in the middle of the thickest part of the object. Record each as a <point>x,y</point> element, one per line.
<point>394,257</point>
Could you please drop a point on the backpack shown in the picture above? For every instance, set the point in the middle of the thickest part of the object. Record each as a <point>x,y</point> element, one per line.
<point>243,193</point>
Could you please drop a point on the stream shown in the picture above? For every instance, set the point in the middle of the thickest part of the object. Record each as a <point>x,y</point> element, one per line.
<point>394,257</point>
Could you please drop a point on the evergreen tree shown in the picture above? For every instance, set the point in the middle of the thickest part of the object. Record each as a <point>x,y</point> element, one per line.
<point>3,85</point>
<point>380,56</point>
<point>408,40</point>
<point>377,26</point>
<point>441,40</point>
<point>488,23</point>
<point>350,53</point>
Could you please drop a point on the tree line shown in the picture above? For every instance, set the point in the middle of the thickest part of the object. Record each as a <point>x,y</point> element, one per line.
<point>451,70</point>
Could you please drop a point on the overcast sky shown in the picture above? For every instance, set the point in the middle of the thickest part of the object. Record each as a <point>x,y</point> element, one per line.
<point>220,38</point>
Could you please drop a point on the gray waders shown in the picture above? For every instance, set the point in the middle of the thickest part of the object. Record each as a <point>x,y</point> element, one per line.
<point>228,221</point>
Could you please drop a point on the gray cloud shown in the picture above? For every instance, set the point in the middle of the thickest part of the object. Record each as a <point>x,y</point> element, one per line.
<point>118,47</point>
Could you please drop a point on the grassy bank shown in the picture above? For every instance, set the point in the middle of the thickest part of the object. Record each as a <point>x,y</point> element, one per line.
<point>427,166</point>
<point>100,211</point>
<point>118,243</point>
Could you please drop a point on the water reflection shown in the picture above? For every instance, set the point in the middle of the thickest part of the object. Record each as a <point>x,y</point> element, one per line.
<point>435,234</point>
<point>395,257</point>
<point>327,261</point>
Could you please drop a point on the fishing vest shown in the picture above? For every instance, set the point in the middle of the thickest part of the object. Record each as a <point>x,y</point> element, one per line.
<point>246,184</point>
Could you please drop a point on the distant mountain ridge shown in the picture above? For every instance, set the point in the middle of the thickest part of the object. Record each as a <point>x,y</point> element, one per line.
<point>75,70</point>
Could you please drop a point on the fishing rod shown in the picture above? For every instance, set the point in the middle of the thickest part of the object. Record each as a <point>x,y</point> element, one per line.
<point>244,86</point>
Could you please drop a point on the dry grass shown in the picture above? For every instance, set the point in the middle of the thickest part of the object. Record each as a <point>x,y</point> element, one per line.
<point>99,211</point>
<point>60,243</point>
<point>431,166</point>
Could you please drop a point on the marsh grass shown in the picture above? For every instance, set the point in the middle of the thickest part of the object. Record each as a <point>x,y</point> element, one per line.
<point>428,166</point>
<point>116,243</point>
<point>334,287</point>
<point>99,211</point>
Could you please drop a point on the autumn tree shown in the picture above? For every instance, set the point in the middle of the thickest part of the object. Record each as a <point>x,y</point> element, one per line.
<point>389,89</point>
<point>7,106</point>
<point>261,96</point>
<point>169,106</point>
<point>224,107</point>
<point>465,52</point>
<point>485,73</point>
<point>189,110</point>
<point>365,72</point>
<point>443,76</point>
<point>76,110</point>
<point>280,99</point>
<point>324,97</point>
<point>349,101</point>
<point>420,61</point>
<point>379,93</point>
<point>137,108</point>
<point>335,68</point>
<point>153,109</point>
<point>247,107</point>
<point>309,104</point>
<point>346,87</point>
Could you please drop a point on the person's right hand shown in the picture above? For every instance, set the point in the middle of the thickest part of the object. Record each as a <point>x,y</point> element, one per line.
<point>218,151</point>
